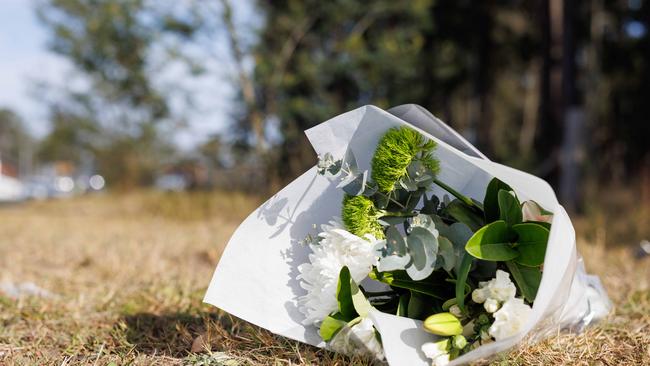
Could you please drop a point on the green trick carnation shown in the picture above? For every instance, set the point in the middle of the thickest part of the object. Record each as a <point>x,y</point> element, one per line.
<point>395,152</point>
<point>360,216</point>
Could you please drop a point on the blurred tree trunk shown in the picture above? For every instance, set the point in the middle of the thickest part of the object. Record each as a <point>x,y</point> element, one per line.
<point>255,116</point>
<point>482,80</point>
<point>546,141</point>
<point>573,114</point>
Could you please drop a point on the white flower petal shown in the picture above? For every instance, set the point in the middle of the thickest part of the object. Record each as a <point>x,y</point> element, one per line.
<point>337,248</point>
<point>510,319</point>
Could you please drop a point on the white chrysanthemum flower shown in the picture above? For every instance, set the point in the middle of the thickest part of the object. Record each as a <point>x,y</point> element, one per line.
<point>319,277</point>
<point>437,352</point>
<point>360,339</point>
<point>499,288</point>
<point>510,319</point>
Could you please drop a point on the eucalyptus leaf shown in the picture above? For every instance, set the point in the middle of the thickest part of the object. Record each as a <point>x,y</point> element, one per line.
<point>430,205</point>
<point>408,184</point>
<point>416,169</point>
<point>422,246</point>
<point>392,220</point>
<point>395,243</point>
<point>354,185</point>
<point>350,161</point>
<point>531,244</point>
<point>446,251</point>
<point>393,263</point>
<point>414,199</point>
<point>526,278</point>
<point>491,200</point>
<point>370,189</point>
<point>381,201</point>
<point>492,242</point>
<point>424,221</point>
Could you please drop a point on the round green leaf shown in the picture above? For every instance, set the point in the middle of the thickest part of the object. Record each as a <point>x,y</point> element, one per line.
<point>509,208</point>
<point>492,243</point>
<point>531,243</point>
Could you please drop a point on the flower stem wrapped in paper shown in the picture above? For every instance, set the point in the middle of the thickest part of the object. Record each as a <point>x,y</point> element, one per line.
<point>405,243</point>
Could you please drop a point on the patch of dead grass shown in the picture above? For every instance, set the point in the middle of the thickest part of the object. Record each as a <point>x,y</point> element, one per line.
<point>129,273</point>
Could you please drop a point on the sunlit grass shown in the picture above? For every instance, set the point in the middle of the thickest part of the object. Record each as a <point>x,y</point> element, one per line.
<point>128,273</point>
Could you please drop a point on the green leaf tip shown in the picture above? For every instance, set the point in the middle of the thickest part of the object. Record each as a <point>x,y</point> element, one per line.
<point>395,152</point>
<point>360,216</point>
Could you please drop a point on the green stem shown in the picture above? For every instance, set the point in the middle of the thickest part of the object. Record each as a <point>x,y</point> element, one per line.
<point>468,201</point>
<point>397,214</point>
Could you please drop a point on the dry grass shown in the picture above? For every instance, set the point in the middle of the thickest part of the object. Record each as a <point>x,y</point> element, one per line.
<point>129,272</point>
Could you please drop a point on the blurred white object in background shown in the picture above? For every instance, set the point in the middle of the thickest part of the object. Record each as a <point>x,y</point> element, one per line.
<point>11,189</point>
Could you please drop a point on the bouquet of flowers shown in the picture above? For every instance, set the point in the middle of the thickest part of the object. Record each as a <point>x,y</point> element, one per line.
<point>405,243</point>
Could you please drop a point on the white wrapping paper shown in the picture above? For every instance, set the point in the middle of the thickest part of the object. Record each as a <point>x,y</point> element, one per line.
<point>255,279</point>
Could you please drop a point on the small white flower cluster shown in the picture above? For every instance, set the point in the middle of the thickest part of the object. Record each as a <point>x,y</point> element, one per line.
<point>498,297</point>
<point>336,249</point>
<point>360,339</point>
<point>510,319</point>
<point>495,292</point>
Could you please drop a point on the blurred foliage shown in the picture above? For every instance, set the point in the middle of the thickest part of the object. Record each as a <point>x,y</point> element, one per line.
<point>493,69</point>
<point>13,136</point>
<point>119,119</point>
<point>506,73</point>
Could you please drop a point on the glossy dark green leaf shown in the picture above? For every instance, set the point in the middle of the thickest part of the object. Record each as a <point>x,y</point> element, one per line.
<point>422,287</point>
<point>468,215</point>
<point>463,272</point>
<point>344,295</point>
<point>531,244</point>
<point>546,225</point>
<point>418,306</point>
<point>509,208</point>
<point>526,278</point>
<point>402,306</point>
<point>491,200</point>
<point>492,242</point>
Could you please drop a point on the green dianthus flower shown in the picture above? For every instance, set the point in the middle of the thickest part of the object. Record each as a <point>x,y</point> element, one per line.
<point>395,152</point>
<point>360,216</point>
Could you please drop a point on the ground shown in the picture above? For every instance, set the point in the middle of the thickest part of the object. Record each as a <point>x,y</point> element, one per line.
<point>125,275</point>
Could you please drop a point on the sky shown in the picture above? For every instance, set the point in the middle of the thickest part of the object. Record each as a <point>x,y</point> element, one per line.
<point>25,61</point>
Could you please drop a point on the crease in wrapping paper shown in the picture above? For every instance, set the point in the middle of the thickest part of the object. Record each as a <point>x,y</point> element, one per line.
<point>256,277</point>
